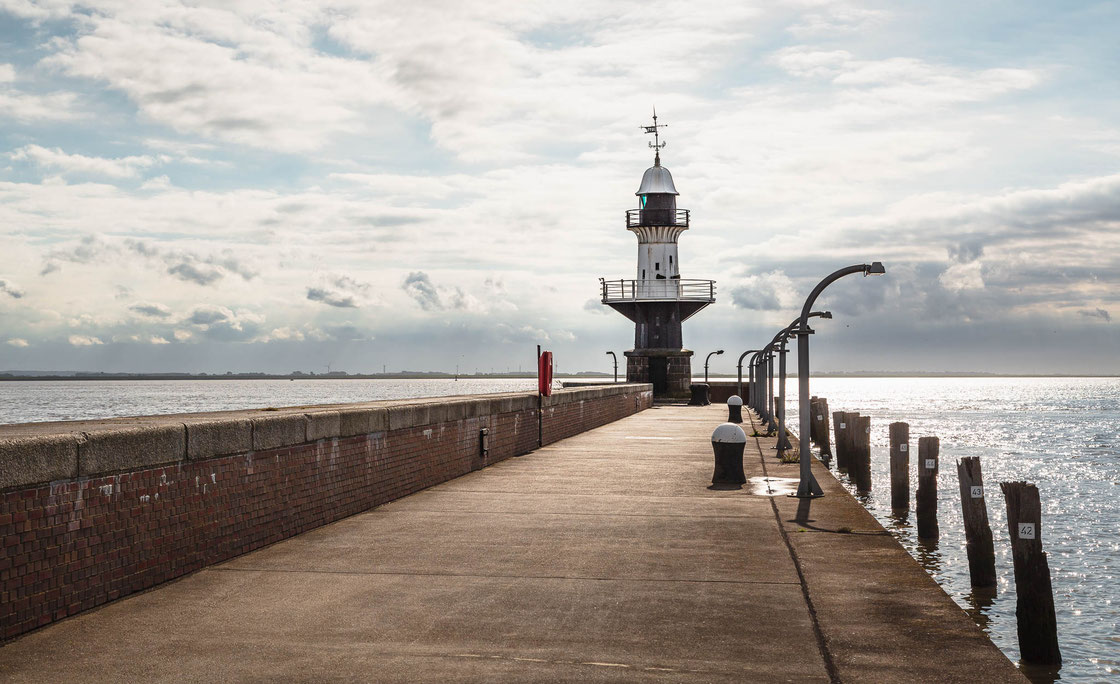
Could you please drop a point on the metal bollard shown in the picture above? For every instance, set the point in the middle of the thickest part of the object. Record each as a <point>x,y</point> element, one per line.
<point>728,442</point>
<point>734,409</point>
<point>700,396</point>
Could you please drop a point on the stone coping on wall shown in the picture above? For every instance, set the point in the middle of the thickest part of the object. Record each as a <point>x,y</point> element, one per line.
<point>36,453</point>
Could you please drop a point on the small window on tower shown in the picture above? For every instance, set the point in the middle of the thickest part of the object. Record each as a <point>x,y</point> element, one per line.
<point>670,259</point>
<point>642,201</point>
<point>657,266</point>
<point>643,274</point>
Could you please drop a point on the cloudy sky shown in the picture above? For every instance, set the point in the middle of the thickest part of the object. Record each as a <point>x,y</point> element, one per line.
<point>249,185</point>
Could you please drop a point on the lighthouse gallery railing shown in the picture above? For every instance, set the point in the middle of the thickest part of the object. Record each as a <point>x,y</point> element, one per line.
<point>667,289</point>
<point>656,217</point>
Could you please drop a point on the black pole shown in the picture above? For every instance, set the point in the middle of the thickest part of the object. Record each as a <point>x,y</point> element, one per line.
<point>540,402</point>
<point>807,486</point>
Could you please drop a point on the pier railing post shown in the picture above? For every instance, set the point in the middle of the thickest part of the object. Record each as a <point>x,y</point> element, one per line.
<point>977,531</point>
<point>928,448</point>
<point>1034,595</point>
<point>900,466</point>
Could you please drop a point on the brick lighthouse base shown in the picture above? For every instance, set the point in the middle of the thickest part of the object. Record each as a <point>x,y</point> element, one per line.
<point>669,370</point>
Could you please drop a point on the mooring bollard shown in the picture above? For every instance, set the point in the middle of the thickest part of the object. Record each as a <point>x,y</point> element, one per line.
<point>900,466</point>
<point>728,442</point>
<point>863,454</point>
<point>734,409</point>
<point>700,396</point>
<point>928,448</point>
<point>1034,595</point>
<point>977,531</point>
<point>820,418</point>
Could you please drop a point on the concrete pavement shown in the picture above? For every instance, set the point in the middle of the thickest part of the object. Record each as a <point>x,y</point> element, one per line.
<point>603,557</point>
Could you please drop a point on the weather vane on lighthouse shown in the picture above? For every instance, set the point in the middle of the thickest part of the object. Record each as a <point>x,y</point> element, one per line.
<point>658,300</point>
<point>656,145</point>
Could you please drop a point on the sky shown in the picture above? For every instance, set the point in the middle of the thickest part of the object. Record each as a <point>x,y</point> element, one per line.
<point>356,185</point>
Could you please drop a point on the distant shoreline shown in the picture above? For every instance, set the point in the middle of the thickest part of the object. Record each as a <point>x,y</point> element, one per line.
<point>420,375</point>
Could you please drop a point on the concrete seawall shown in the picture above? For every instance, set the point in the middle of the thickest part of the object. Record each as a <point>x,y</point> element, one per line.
<point>92,511</point>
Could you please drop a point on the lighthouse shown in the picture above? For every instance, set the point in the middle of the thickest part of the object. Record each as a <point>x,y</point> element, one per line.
<point>658,300</point>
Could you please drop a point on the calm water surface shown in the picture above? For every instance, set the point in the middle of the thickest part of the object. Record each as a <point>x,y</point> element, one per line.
<point>43,400</point>
<point>1061,434</point>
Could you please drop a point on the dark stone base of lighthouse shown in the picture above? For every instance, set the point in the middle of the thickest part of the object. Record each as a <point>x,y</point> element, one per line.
<point>669,370</point>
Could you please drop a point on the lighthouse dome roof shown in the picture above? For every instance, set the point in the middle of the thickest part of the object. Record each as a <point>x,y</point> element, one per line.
<point>657,180</point>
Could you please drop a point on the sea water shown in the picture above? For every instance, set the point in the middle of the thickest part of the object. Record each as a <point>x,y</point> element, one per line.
<point>48,400</point>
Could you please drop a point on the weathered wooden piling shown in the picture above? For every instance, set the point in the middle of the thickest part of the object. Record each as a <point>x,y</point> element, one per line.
<point>841,429</point>
<point>1034,595</point>
<point>977,531</point>
<point>928,448</point>
<point>851,418</point>
<point>900,466</point>
<point>814,431</point>
<point>820,419</point>
<point>862,468</point>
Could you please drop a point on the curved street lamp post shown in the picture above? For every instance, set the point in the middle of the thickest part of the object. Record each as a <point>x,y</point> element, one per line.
<point>615,365</point>
<point>781,339</point>
<point>716,353</point>
<point>772,424</point>
<point>759,402</point>
<point>807,487</point>
<point>750,381</point>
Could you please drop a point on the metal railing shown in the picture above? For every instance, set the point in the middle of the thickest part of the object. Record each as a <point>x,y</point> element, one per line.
<point>667,289</point>
<point>656,217</point>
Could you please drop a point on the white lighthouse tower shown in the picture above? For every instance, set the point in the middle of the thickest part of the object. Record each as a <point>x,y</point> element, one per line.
<point>658,300</point>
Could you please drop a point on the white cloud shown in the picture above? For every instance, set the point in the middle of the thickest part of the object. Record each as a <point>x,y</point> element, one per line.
<point>765,292</point>
<point>122,167</point>
<point>18,342</point>
<point>959,277</point>
<point>226,72</point>
<point>26,107</point>
<point>84,340</point>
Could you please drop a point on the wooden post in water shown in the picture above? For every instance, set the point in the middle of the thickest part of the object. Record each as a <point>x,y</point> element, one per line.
<point>900,466</point>
<point>863,454</point>
<point>814,433</point>
<point>928,448</point>
<point>851,419</point>
<point>841,430</point>
<point>977,531</point>
<point>820,418</point>
<point>1034,596</point>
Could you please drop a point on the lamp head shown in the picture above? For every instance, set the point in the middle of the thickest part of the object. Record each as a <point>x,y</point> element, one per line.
<point>876,268</point>
<point>719,352</point>
<point>826,314</point>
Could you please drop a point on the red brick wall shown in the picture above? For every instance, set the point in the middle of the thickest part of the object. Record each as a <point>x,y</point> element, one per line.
<point>74,544</point>
<point>573,418</point>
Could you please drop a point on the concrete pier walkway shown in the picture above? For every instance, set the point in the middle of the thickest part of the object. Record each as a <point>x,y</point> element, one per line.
<point>603,557</point>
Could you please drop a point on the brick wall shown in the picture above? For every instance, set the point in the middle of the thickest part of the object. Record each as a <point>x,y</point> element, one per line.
<point>93,511</point>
